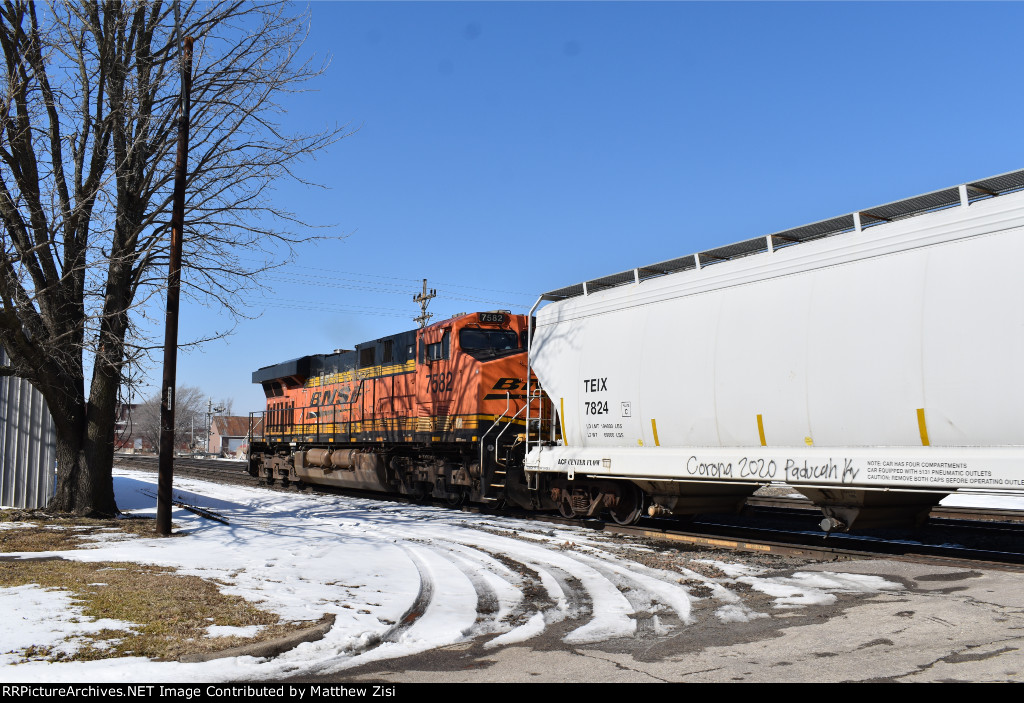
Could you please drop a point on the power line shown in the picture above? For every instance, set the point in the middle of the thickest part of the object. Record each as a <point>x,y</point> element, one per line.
<point>388,278</point>
<point>300,280</point>
<point>340,309</point>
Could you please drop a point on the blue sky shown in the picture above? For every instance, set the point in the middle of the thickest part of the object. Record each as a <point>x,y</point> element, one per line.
<point>507,149</point>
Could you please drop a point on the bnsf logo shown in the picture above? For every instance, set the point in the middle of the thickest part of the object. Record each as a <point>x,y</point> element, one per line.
<point>332,397</point>
<point>509,384</point>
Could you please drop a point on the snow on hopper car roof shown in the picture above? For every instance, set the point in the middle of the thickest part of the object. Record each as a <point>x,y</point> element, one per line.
<point>855,221</point>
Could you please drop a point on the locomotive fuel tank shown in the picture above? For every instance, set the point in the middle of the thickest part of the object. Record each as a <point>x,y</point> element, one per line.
<point>872,361</point>
<point>343,468</point>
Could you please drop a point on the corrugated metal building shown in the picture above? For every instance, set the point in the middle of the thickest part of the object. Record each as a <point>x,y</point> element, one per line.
<point>28,444</point>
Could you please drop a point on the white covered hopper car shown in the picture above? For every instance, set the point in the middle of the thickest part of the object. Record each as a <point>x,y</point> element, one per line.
<point>874,362</point>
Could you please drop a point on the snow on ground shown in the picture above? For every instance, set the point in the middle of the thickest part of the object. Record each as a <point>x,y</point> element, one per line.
<point>400,579</point>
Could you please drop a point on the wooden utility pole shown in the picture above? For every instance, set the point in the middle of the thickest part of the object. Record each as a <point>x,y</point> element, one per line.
<point>166,475</point>
<point>424,299</point>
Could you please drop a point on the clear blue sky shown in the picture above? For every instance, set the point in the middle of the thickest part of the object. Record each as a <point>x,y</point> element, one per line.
<point>507,149</point>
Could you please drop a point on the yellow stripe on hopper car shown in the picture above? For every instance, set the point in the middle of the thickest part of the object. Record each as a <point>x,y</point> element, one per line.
<point>922,427</point>
<point>561,419</point>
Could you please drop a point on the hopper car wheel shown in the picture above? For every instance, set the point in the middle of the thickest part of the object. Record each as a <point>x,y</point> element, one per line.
<point>630,507</point>
<point>566,509</point>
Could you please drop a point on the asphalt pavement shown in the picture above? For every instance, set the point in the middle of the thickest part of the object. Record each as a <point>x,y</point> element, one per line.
<point>946,624</point>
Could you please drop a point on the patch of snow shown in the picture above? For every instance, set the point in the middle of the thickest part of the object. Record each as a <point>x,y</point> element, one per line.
<point>737,612</point>
<point>15,525</point>
<point>233,630</point>
<point>530,629</point>
<point>44,619</point>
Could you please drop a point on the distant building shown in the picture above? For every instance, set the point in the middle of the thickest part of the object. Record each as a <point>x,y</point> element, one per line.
<point>229,434</point>
<point>127,437</point>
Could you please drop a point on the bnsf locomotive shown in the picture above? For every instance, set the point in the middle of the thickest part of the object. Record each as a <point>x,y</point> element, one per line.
<point>871,361</point>
<point>438,411</point>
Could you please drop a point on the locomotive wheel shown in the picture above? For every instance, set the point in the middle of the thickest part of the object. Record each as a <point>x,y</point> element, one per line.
<point>630,507</point>
<point>419,492</point>
<point>494,506</point>
<point>454,500</point>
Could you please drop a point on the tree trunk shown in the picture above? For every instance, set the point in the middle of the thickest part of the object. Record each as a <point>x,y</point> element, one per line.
<point>85,431</point>
<point>85,448</point>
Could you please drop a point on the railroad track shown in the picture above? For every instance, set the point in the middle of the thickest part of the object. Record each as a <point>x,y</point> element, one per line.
<point>220,469</point>
<point>783,525</point>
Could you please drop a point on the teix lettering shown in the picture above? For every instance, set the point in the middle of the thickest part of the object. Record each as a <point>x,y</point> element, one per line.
<point>595,385</point>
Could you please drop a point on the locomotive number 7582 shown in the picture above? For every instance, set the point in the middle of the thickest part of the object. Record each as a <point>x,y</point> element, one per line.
<point>440,382</point>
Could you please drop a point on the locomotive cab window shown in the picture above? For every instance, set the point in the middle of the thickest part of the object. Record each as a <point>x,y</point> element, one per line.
<point>438,350</point>
<point>273,389</point>
<point>488,344</point>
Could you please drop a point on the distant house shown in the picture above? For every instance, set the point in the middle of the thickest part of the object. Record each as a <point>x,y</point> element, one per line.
<point>129,435</point>
<point>228,434</point>
<point>125,438</point>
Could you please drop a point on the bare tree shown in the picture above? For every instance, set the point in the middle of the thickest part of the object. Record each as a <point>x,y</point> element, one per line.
<point>87,140</point>
<point>227,406</point>
<point>190,417</point>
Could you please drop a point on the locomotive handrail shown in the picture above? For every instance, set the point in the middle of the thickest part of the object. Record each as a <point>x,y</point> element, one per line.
<point>485,484</point>
<point>362,382</point>
<point>529,376</point>
<point>318,425</point>
<point>261,422</point>
<point>507,425</point>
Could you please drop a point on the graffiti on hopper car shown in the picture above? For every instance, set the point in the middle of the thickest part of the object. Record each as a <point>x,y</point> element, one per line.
<point>829,471</point>
<point>768,470</point>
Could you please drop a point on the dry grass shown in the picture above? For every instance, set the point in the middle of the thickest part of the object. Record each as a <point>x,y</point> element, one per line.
<point>169,613</point>
<point>47,533</point>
